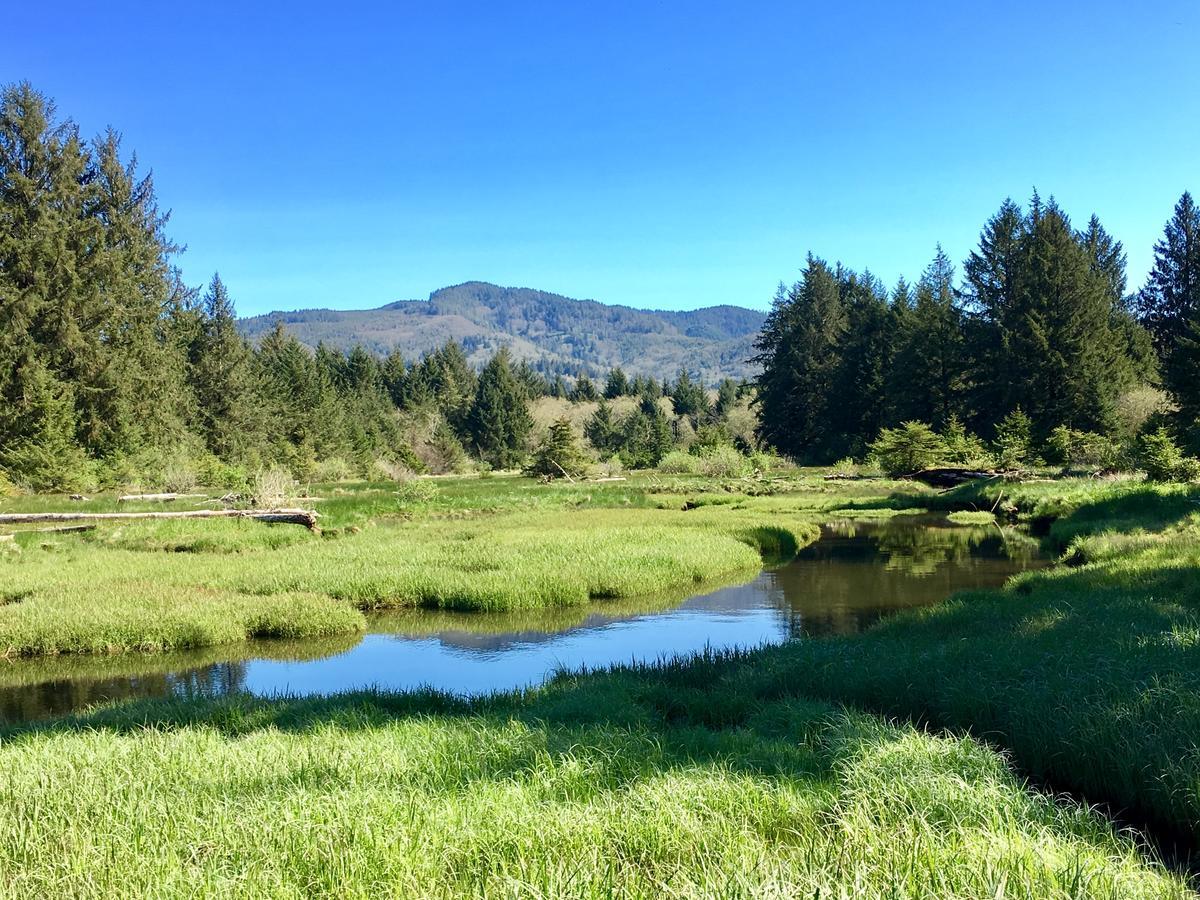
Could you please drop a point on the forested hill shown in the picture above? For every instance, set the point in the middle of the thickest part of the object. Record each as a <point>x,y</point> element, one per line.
<point>553,332</point>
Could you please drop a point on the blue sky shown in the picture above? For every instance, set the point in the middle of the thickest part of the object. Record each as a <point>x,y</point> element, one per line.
<point>669,155</point>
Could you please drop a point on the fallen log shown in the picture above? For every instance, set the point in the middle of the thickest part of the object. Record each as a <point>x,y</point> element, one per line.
<point>159,498</point>
<point>948,477</point>
<point>305,517</point>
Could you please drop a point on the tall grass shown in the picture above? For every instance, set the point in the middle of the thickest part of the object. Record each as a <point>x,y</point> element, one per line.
<point>630,784</point>
<point>171,585</point>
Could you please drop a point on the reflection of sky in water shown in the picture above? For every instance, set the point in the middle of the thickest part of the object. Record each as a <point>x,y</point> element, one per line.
<point>470,663</point>
<point>848,580</point>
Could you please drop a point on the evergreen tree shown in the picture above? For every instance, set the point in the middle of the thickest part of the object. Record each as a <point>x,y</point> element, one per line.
<point>646,436</point>
<point>728,394</point>
<point>499,422</point>
<point>602,430</point>
<point>222,377</point>
<point>558,456</point>
<point>617,384</point>
<point>798,352</point>
<point>688,397</point>
<point>858,403</point>
<point>1169,306</point>
<point>584,391</point>
<point>927,378</point>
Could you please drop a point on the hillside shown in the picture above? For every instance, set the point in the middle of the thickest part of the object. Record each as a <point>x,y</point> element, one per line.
<point>555,330</point>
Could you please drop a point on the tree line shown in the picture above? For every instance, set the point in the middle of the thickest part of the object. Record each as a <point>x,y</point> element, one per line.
<point>113,370</point>
<point>1038,334</point>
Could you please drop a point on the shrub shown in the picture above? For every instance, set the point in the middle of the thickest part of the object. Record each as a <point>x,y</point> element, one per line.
<point>390,470</point>
<point>612,467</point>
<point>678,462</point>
<point>910,448</point>
<point>337,468</point>
<point>723,462</point>
<point>1162,460</point>
<point>767,461</point>
<point>845,468</point>
<point>7,488</point>
<point>415,491</point>
<point>273,487</point>
<point>1082,449</point>
<point>559,455</point>
<point>179,475</point>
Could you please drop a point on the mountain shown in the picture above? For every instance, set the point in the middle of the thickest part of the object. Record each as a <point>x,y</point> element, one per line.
<point>554,332</point>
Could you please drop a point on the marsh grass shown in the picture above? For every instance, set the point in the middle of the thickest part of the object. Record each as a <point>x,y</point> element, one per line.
<point>155,586</point>
<point>632,783</point>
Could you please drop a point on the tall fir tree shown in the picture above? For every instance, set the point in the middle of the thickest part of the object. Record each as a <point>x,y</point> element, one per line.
<point>499,422</point>
<point>1169,306</point>
<point>927,382</point>
<point>798,352</point>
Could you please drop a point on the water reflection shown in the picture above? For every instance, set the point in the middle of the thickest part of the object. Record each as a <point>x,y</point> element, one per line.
<point>857,573</point>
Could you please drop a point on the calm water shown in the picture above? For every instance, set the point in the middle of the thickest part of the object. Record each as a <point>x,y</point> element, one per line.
<point>856,574</point>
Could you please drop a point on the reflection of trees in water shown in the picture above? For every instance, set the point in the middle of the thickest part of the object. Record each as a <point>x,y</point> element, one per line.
<point>858,573</point>
<point>53,698</point>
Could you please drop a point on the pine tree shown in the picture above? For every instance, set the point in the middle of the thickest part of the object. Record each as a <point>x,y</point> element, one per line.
<point>727,397</point>
<point>688,397</point>
<point>646,436</point>
<point>927,379</point>
<point>858,404</point>
<point>558,456</point>
<point>798,353</point>
<point>584,391</point>
<point>222,378</point>
<point>602,430</point>
<point>499,422</point>
<point>617,384</point>
<point>1169,306</point>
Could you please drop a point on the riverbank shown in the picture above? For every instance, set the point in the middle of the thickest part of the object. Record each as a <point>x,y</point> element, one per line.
<point>471,545</point>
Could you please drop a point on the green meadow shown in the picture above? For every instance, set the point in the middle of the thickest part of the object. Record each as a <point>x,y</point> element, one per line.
<point>999,743</point>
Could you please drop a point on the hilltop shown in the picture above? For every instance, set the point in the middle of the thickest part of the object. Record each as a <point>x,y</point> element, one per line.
<point>559,332</point>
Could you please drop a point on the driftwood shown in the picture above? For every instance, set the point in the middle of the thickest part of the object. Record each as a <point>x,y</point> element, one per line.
<point>305,517</point>
<point>948,477</point>
<point>159,498</point>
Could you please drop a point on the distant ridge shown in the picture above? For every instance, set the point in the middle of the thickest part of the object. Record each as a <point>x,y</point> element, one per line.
<point>555,333</point>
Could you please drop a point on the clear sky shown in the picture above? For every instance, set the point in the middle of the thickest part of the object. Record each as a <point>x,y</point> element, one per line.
<point>662,154</point>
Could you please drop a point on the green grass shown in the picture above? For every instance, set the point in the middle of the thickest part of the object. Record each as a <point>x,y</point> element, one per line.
<point>643,782</point>
<point>1087,672</point>
<point>169,585</point>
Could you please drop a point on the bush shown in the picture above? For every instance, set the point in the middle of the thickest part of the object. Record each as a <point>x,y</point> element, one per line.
<point>272,488</point>
<point>415,491</point>
<point>1162,460</point>
<point>723,462</point>
<point>910,448</point>
<point>179,476</point>
<point>1082,449</point>
<point>767,461</point>
<point>679,463</point>
<point>612,467</point>
<point>337,468</point>
<point>7,488</point>
<point>390,470</point>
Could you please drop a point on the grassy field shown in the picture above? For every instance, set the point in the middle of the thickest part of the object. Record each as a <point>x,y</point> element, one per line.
<point>637,783</point>
<point>739,775</point>
<point>1087,672</point>
<point>473,544</point>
